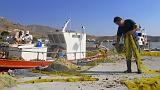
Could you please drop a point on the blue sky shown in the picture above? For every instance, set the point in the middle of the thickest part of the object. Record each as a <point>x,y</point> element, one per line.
<point>96,15</point>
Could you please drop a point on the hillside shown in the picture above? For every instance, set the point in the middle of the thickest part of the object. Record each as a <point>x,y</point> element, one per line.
<point>36,30</point>
<point>42,31</point>
<point>102,38</point>
<point>154,38</point>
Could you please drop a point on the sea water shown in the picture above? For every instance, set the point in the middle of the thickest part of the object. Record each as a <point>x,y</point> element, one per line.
<point>109,45</point>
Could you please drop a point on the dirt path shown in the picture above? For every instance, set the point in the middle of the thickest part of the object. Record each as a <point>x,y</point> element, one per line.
<point>109,75</point>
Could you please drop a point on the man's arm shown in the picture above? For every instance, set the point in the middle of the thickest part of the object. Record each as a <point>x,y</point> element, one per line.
<point>118,39</point>
<point>117,42</point>
<point>119,34</point>
<point>135,28</point>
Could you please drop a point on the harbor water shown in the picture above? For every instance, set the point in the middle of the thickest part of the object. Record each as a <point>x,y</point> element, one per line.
<point>109,45</point>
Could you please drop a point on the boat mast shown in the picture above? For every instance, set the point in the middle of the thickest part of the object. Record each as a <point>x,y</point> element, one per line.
<point>65,25</point>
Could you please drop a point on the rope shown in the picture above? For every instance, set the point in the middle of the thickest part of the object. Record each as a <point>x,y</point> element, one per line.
<point>145,69</point>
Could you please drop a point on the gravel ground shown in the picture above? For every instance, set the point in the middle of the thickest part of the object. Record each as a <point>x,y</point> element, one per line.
<point>109,75</point>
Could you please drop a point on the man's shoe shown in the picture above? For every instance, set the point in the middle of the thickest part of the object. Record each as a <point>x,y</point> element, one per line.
<point>139,72</point>
<point>128,71</point>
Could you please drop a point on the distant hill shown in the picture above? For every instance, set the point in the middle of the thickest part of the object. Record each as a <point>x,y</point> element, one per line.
<point>154,38</point>
<point>36,30</point>
<point>103,38</point>
<point>42,31</point>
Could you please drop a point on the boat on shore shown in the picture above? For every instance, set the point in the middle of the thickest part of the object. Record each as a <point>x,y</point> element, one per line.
<point>6,64</point>
<point>143,40</point>
<point>62,44</point>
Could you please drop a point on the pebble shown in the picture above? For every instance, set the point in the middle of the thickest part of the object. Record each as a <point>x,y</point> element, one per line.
<point>106,78</point>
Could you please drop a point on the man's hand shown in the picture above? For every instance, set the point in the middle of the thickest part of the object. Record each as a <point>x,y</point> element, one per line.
<point>130,32</point>
<point>116,45</point>
<point>135,28</point>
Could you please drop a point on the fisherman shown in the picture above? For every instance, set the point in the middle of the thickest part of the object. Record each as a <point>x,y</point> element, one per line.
<point>127,29</point>
<point>19,37</point>
<point>27,38</point>
<point>61,53</point>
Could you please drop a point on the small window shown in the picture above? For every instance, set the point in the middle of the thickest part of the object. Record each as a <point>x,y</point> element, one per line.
<point>75,36</point>
<point>61,37</point>
<point>56,38</point>
<point>139,34</point>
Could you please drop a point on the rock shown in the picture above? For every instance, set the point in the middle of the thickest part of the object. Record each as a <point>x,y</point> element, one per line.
<point>106,78</point>
<point>39,77</point>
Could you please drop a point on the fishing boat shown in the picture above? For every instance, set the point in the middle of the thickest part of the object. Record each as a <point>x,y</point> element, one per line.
<point>73,44</point>
<point>23,56</point>
<point>143,40</point>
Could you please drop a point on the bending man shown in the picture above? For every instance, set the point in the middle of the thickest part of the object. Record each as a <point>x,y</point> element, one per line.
<point>127,29</point>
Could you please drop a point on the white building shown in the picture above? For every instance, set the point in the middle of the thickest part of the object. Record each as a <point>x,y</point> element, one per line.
<point>74,43</point>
